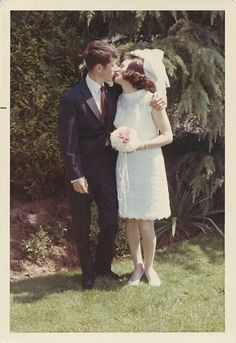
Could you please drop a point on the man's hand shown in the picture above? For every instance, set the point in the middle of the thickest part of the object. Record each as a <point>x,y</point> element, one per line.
<point>157,103</point>
<point>81,185</point>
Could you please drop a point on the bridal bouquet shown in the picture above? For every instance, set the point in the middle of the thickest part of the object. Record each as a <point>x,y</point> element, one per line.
<point>124,139</point>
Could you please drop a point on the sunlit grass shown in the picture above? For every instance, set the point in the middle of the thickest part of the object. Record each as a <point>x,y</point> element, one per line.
<point>190,298</point>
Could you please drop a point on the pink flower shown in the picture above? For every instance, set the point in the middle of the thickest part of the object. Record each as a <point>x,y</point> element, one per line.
<point>124,139</point>
<point>124,136</point>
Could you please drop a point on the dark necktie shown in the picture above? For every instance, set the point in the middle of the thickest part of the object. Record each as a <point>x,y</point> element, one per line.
<point>103,103</point>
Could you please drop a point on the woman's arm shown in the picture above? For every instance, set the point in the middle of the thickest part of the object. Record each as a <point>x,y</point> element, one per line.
<point>162,123</point>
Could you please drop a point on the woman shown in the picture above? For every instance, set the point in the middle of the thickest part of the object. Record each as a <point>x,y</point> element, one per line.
<point>141,177</point>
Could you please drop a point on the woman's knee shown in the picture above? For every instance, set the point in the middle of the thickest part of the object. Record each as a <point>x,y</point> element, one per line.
<point>131,223</point>
<point>146,225</point>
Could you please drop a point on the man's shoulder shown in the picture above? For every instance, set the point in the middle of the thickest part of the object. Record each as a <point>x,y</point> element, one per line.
<point>74,90</point>
<point>114,89</point>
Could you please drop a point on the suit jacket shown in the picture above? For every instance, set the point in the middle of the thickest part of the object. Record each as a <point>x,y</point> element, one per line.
<point>82,132</point>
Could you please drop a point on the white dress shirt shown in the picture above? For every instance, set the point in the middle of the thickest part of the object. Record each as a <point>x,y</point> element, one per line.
<point>95,89</point>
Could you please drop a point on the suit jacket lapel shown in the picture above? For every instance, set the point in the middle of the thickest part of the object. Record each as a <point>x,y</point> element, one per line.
<point>91,103</point>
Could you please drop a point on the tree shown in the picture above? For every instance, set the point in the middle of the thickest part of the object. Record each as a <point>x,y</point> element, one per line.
<point>46,58</point>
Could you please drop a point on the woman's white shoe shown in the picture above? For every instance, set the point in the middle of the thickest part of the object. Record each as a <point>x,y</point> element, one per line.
<point>136,276</point>
<point>134,282</point>
<point>153,278</point>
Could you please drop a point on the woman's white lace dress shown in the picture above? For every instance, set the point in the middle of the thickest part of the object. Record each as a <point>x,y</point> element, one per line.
<point>141,175</point>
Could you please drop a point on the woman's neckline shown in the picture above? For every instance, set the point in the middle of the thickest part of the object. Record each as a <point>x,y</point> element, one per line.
<point>135,94</point>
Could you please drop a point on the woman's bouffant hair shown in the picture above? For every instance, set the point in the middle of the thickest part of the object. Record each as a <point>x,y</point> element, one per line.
<point>135,75</point>
<point>99,52</point>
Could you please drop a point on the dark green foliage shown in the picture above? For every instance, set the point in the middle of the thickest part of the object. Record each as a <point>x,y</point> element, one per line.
<point>201,173</point>
<point>59,231</point>
<point>198,70</point>
<point>46,59</point>
<point>188,218</point>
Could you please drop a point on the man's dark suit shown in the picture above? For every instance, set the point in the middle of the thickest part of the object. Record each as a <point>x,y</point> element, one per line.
<point>83,135</point>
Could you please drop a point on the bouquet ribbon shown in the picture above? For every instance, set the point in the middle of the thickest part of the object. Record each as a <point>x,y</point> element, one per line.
<point>124,179</point>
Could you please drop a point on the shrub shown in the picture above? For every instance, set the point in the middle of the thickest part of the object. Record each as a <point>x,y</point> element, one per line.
<point>43,65</point>
<point>37,246</point>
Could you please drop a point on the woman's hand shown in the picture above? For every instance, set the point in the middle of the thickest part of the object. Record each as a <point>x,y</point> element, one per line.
<point>141,146</point>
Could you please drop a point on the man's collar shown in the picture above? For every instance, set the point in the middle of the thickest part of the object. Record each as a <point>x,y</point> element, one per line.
<point>95,86</point>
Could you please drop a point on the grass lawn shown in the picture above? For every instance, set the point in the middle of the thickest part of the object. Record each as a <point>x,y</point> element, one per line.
<point>190,298</point>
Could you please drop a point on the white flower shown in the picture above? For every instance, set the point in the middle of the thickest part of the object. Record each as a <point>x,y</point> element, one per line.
<point>124,139</point>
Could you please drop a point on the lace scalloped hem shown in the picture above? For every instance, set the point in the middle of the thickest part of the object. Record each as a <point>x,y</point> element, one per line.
<point>145,218</point>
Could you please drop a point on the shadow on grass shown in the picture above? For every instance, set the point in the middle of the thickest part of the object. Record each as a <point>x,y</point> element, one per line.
<point>31,290</point>
<point>191,254</point>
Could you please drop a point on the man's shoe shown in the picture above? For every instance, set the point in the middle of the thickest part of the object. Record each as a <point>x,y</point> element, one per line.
<point>110,275</point>
<point>88,282</point>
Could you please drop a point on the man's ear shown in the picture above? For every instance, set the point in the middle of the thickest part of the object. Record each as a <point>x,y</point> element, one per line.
<point>99,68</point>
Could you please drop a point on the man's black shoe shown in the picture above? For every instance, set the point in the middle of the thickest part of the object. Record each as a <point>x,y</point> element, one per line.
<point>109,274</point>
<point>88,282</point>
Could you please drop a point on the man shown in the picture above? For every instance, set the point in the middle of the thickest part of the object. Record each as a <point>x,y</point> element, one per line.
<point>86,121</point>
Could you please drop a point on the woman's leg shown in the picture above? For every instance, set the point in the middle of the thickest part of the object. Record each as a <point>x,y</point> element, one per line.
<point>133,238</point>
<point>149,248</point>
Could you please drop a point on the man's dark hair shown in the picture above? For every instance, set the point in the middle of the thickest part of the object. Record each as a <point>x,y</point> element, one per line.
<point>99,52</point>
